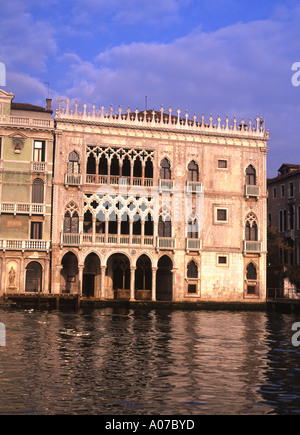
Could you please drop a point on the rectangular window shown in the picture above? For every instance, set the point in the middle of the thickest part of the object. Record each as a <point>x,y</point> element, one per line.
<point>283,191</point>
<point>39,151</point>
<point>192,288</point>
<point>291,189</point>
<point>251,290</point>
<point>222,260</point>
<point>222,164</point>
<point>275,192</point>
<point>222,215</point>
<point>36,230</point>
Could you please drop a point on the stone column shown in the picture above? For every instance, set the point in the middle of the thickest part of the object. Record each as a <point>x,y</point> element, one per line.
<point>56,279</point>
<point>174,270</point>
<point>22,276</point>
<point>130,230</point>
<point>102,287</point>
<point>106,230</point>
<point>93,229</point>
<point>46,283</point>
<point>80,279</point>
<point>153,292</point>
<point>132,282</point>
<point>142,231</point>
<point>3,276</point>
<point>119,229</point>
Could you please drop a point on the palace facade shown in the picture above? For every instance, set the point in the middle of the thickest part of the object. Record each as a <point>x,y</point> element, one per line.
<point>158,206</point>
<point>150,205</point>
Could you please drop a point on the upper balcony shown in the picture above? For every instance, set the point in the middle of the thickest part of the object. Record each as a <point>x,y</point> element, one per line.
<point>166,186</point>
<point>74,239</point>
<point>118,180</point>
<point>252,247</point>
<point>29,122</point>
<point>194,187</point>
<point>39,167</point>
<point>22,208</point>
<point>24,245</point>
<point>251,191</point>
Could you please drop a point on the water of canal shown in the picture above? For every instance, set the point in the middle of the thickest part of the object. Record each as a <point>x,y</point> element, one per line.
<point>118,361</point>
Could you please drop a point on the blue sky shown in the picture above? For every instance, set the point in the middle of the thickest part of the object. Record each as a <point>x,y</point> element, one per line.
<point>227,57</point>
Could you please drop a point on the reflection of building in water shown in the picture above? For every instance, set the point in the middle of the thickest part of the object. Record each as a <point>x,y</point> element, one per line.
<point>148,205</point>
<point>26,158</point>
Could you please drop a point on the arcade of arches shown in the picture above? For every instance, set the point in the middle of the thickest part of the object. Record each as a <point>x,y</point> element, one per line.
<point>117,279</point>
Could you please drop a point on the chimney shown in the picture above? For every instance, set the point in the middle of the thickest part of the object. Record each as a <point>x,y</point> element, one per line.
<point>48,101</point>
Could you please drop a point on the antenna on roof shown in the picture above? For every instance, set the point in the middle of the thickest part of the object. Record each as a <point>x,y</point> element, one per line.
<point>146,103</point>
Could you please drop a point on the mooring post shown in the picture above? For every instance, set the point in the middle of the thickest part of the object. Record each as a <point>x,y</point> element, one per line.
<point>57,302</point>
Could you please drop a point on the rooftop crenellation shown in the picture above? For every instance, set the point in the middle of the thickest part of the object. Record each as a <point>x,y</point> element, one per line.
<point>160,119</point>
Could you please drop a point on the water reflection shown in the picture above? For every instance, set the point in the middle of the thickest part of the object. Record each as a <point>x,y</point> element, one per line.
<point>119,361</point>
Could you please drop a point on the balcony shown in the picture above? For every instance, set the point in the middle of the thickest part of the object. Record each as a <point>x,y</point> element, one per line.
<point>252,247</point>
<point>38,167</point>
<point>25,245</point>
<point>194,187</point>
<point>22,208</point>
<point>69,239</point>
<point>118,181</point>
<point>193,245</point>
<point>166,185</point>
<point>73,179</point>
<point>251,191</point>
<point>29,122</point>
<point>166,243</point>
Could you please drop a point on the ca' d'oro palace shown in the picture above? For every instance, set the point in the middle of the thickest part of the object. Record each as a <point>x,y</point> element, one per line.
<point>131,205</point>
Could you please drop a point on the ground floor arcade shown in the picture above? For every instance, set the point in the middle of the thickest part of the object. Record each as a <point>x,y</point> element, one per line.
<point>117,277</point>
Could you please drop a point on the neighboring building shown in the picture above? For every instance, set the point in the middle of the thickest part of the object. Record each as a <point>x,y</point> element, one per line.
<point>148,205</point>
<point>26,156</point>
<point>284,217</point>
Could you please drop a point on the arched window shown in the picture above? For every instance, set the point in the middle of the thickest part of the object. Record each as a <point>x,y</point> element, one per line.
<point>137,168</point>
<point>137,225</point>
<point>192,270</point>
<point>251,278</point>
<point>73,163</point>
<point>88,222</point>
<point>149,225</point>
<point>149,168</point>
<point>91,164</point>
<point>291,217</point>
<point>38,191</point>
<point>165,169</point>
<point>250,176</point>
<point>125,224</point>
<point>34,273</point>
<point>251,228</point>
<point>164,227</point>
<point>192,229</point>
<point>126,167</point>
<point>115,166</point>
<point>103,165</point>
<point>71,219</point>
<point>193,171</point>
<point>251,272</point>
